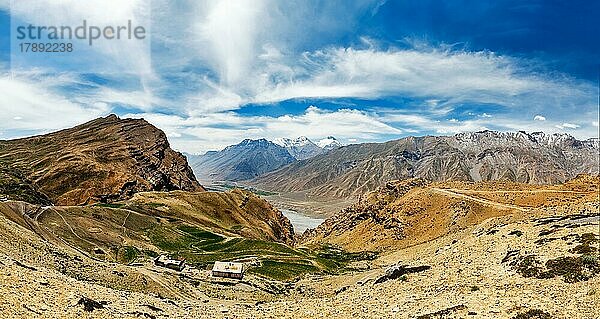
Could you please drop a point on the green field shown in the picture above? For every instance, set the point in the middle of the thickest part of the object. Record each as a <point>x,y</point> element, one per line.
<point>221,187</point>
<point>202,248</point>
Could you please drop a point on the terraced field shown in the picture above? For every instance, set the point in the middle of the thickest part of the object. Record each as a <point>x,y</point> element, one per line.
<point>277,261</point>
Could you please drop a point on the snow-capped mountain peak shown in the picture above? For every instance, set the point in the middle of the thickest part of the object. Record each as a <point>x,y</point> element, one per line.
<point>298,142</point>
<point>329,143</point>
<point>283,142</point>
<point>302,141</point>
<point>303,148</point>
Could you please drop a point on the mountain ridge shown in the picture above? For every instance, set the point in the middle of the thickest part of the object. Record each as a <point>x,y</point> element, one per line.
<point>352,170</point>
<point>253,157</point>
<point>241,161</point>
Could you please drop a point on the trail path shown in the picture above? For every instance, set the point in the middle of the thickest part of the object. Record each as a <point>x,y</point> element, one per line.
<point>453,193</point>
<point>517,191</point>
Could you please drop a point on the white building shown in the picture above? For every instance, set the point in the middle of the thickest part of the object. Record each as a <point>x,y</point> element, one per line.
<point>228,270</point>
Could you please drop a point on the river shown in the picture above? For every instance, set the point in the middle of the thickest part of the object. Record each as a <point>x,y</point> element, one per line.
<point>301,222</point>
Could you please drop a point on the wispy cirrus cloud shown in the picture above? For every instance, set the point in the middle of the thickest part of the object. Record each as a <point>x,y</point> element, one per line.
<point>455,76</point>
<point>218,68</point>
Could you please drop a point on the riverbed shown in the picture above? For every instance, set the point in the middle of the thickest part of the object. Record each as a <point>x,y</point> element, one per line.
<point>301,222</point>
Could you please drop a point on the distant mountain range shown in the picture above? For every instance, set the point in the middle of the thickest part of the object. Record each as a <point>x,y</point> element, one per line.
<point>242,161</point>
<point>252,158</point>
<point>300,148</point>
<point>303,148</point>
<point>352,170</point>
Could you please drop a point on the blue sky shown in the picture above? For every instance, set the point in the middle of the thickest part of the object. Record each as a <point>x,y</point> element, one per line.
<point>363,71</point>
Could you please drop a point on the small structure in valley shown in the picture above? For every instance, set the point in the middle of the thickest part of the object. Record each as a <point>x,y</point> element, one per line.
<point>165,261</point>
<point>228,270</point>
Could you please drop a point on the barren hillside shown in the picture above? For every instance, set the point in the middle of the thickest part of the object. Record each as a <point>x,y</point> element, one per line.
<point>405,213</point>
<point>103,160</point>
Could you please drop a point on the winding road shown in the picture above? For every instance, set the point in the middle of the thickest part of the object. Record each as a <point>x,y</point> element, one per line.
<point>452,193</point>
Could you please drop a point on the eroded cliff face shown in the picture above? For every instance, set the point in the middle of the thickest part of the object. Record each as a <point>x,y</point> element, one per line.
<point>100,161</point>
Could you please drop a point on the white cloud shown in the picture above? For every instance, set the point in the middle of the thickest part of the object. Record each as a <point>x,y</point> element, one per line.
<point>567,125</point>
<point>595,123</point>
<point>228,30</point>
<point>252,49</point>
<point>457,77</point>
<point>29,106</point>
<point>141,99</point>
<point>432,103</point>
<point>539,118</point>
<point>217,100</point>
<point>198,134</point>
<point>416,123</point>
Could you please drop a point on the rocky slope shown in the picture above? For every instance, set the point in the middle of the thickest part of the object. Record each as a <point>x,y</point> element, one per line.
<point>233,213</point>
<point>350,171</point>
<point>409,212</point>
<point>149,219</point>
<point>103,160</point>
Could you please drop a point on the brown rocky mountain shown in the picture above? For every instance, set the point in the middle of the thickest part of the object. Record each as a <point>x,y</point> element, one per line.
<point>103,160</point>
<point>350,171</point>
<point>410,212</point>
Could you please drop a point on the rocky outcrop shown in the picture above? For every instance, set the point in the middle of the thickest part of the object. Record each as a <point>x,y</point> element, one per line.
<point>103,160</point>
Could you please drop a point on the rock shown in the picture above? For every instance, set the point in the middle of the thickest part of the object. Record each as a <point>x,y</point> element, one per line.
<point>90,305</point>
<point>396,271</point>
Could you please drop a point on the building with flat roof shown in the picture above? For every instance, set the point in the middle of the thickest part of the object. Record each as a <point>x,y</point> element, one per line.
<point>165,261</point>
<point>228,270</point>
